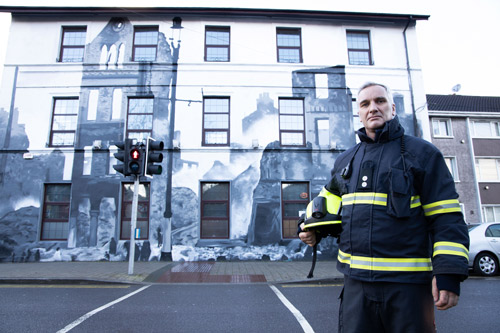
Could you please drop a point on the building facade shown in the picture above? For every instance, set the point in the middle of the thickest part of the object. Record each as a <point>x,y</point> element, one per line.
<point>467,131</point>
<point>253,106</point>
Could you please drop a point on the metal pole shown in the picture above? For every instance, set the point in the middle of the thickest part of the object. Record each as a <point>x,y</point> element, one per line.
<point>133,224</point>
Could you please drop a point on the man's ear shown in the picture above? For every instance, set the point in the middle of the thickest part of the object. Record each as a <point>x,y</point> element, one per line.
<point>393,110</point>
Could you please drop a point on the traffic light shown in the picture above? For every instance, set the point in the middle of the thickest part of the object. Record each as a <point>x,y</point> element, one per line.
<point>153,155</point>
<point>136,159</point>
<point>122,155</point>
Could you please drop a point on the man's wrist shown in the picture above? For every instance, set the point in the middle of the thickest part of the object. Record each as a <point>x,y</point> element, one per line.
<point>449,282</point>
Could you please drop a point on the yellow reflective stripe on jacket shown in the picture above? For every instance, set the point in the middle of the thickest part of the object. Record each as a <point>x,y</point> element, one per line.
<point>369,198</point>
<point>372,198</point>
<point>415,201</point>
<point>386,264</point>
<point>450,248</point>
<point>444,206</point>
<point>333,202</point>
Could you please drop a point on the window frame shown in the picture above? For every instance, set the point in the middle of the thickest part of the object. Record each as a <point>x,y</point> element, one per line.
<point>147,131</point>
<point>478,170</point>
<point>494,127</point>
<point>289,31</point>
<point>282,131</point>
<point>54,115</point>
<point>140,219</point>
<point>227,130</point>
<point>368,51</point>
<point>494,208</point>
<point>63,47</point>
<point>227,29</point>
<point>448,127</point>
<point>45,220</point>
<point>305,201</point>
<point>454,167</point>
<point>212,201</point>
<point>145,28</point>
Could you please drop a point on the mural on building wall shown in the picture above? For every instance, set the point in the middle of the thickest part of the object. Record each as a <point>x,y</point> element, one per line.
<point>255,175</point>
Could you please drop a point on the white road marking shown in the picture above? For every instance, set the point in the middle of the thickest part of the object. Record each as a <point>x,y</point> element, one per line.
<point>300,318</point>
<point>93,312</point>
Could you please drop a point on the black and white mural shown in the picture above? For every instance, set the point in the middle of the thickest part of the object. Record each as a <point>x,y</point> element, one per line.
<point>255,175</point>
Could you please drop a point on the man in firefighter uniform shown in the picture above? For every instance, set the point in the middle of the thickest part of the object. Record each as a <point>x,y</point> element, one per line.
<point>403,245</point>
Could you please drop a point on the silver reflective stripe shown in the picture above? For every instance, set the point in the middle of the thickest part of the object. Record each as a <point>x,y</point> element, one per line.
<point>450,248</point>
<point>386,264</point>
<point>415,202</point>
<point>445,206</point>
<point>370,198</point>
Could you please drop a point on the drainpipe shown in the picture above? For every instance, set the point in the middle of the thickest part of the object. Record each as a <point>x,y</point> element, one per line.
<point>8,130</point>
<point>474,173</point>
<point>410,84</point>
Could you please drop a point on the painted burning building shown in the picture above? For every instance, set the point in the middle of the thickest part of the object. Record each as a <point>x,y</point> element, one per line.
<point>254,106</point>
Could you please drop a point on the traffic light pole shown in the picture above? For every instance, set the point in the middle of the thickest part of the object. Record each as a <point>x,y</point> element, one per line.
<point>133,225</point>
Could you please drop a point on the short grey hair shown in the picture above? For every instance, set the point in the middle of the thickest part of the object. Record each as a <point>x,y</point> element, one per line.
<point>371,84</point>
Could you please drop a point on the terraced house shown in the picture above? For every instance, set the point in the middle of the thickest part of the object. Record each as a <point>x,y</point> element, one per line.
<point>467,131</point>
<point>253,105</point>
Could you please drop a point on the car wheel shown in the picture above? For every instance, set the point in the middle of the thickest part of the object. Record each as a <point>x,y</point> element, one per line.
<point>486,264</point>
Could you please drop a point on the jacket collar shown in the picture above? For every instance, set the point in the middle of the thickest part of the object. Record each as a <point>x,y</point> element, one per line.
<point>391,131</point>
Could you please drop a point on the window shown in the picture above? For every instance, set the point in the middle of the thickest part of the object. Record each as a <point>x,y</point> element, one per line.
<point>142,210</point>
<point>491,213</point>
<point>441,127</point>
<point>289,45</point>
<point>145,43</point>
<point>214,210</point>
<point>55,216</point>
<point>493,231</point>
<point>323,132</point>
<point>488,169</point>
<point>140,118</point>
<point>294,199</point>
<point>292,131</point>
<point>358,48</point>
<point>485,129</point>
<point>64,120</point>
<point>451,162</point>
<point>72,44</point>
<point>217,44</point>
<point>215,121</point>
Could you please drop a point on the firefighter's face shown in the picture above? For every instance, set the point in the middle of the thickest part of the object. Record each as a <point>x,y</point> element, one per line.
<point>375,108</point>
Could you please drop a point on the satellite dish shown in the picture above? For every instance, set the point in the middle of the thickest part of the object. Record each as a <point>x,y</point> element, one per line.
<point>456,88</point>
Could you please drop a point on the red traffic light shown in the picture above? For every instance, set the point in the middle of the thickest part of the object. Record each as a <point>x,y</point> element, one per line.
<point>135,154</point>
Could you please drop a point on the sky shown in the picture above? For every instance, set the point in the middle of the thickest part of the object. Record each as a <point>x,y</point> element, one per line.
<point>457,45</point>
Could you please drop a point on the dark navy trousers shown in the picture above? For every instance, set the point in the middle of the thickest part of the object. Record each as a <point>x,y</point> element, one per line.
<point>386,307</point>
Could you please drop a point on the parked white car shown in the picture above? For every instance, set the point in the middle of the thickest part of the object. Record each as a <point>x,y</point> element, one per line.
<point>484,252</point>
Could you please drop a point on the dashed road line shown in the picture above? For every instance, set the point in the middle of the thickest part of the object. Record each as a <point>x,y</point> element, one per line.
<point>300,318</point>
<point>93,312</point>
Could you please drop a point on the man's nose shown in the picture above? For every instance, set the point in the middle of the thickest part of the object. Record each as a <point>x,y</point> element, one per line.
<point>373,107</point>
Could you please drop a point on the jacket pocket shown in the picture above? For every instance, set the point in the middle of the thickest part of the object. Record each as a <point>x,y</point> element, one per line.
<point>399,197</point>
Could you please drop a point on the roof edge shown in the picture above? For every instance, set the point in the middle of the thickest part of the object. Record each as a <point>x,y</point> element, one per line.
<point>56,10</point>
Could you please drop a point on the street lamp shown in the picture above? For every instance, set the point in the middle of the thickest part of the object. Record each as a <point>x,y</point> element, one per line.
<point>175,45</point>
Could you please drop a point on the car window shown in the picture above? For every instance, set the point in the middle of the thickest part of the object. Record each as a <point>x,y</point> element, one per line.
<point>493,231</point>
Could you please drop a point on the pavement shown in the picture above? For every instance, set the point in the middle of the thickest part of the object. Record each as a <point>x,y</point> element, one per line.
<point>154,272</point>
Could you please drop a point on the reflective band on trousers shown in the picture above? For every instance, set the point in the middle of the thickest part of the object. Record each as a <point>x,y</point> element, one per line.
<point>455,249</point>
<point>445,206</point>
<point>386,264</point>
<point>372,198</point>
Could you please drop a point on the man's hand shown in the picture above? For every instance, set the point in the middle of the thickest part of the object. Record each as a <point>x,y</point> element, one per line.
<point>308,237</point>
<point>443,299</point>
